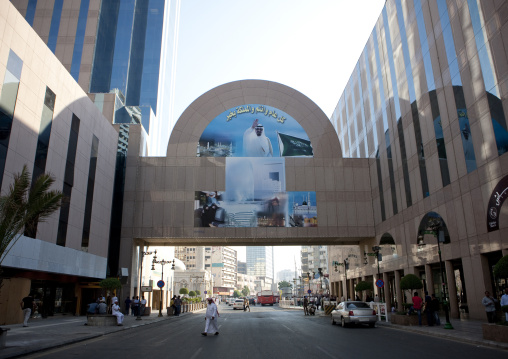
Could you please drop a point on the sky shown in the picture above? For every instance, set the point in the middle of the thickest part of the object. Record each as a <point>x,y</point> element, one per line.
<point>311,46</point>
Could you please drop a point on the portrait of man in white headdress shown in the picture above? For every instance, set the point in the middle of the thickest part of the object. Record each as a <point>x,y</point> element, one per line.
<point>255,142</point>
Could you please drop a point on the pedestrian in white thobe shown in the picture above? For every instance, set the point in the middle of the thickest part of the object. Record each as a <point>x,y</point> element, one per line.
<point>115,310</point>
<point>211,317</point>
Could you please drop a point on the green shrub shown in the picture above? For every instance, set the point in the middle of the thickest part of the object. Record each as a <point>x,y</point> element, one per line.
<point>183,291</point>
<point>411,282</point>
<point>192,293</point>
<point>363,285</point>
<point>501,268</point>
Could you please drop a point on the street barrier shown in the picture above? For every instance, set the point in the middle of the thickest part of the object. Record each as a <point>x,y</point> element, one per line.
<point>380,309</point>
<point>329,308</point>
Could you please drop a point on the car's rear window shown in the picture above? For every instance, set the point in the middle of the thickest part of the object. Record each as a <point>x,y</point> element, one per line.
<point>357,305</point>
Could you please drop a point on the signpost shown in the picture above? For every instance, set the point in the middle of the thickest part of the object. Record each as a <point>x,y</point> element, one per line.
<point>160,284</point>
<point>146,288</point>
<point>380,283</point>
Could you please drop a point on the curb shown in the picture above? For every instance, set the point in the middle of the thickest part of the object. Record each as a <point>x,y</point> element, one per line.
<point>485,343</point>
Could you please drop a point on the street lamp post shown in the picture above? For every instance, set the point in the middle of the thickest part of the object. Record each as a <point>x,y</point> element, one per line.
<point>143,254</point>
<point>308,278</point>
<point>375,252</point>
<point>346,267</point>
<point>436,228</point>
<point>162,262</point>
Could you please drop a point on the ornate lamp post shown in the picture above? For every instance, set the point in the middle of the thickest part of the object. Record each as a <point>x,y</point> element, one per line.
<point>162,262</point>
<point>375,252</point>
<point>435,227</point>
<point>346,267</point>
<point>143,254</point>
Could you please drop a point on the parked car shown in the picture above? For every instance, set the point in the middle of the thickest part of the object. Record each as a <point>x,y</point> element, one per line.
<point>231,301</point>
<point>252,301</point>
<point>238,304</point>
<point>354,313</point>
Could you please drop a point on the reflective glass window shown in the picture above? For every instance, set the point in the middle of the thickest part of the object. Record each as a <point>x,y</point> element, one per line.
<point>30,11</point>
<point>429,74</point>
<point>79,39</point>
<point>371,100</point>
<point>8,98</point>
<point>68,181</point>
<point>89,194</point>
<point>55,25</point>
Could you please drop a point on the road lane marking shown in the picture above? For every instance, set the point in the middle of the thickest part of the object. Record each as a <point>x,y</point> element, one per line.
<point>291,330</point>
<point>196,353</point>
<point>324,351</point>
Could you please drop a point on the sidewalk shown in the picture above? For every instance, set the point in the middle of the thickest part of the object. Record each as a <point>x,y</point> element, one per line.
<point>57,331</point>
<point>465,330</point>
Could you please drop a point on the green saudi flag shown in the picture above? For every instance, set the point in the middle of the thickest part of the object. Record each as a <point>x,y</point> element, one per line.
<point>290,146</point>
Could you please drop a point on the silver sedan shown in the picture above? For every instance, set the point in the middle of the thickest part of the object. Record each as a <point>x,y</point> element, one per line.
<point>354,312</point>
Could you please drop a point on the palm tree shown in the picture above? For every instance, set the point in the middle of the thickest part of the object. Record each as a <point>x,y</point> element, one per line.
<point>24,206</point>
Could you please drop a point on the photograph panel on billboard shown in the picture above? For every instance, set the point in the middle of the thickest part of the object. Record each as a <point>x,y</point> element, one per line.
<point>255,196</point>
<point>254,130</point>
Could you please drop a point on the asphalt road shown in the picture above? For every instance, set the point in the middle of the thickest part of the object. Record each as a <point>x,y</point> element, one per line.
<point>266,332</point>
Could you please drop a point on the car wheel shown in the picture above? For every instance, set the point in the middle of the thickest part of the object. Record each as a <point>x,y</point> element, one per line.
<point>333,320</point>
<point>342,322</point>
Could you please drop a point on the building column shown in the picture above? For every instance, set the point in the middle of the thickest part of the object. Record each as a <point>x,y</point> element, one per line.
<point>504,252</point>
<point>388,297</point>
<point>376,288</point>
<point>400,297</point>
<point>429,279</point>
<point>452,294</point>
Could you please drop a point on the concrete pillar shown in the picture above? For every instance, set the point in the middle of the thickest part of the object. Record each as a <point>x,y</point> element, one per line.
<point>400,297</point>
<point>388,297</point>
<point>200,258</point>
<point>376,288</point>
<point>429,280</point>
<point>504,252</point>
<point>351,289</point>
<point>452,292</point>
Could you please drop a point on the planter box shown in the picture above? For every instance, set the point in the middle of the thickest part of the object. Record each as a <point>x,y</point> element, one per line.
<point>407,320</point>
<point>498,333</point>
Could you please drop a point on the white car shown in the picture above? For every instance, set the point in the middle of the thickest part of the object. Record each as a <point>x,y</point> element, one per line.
<point>238,304</point>
<point>231,301</point>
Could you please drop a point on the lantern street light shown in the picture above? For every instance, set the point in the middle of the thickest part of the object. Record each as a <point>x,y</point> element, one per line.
<point>375,253</point>
<point>143,254</point>
<point>435,227</point>
<point>162,262</point>
<point>346,267</point>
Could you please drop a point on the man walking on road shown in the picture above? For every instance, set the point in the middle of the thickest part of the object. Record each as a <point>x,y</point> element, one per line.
<point>305,306</point>
<point>27,305</point>
<point>211,316</point>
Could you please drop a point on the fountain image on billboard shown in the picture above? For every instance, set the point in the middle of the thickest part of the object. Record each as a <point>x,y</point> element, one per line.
<point>256,139</point>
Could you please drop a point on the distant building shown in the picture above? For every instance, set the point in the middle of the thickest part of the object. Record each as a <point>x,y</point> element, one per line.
<point>242,267</point>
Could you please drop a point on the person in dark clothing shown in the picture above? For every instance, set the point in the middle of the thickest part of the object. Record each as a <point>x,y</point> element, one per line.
<point>428,309</point>
<point>435,309</point>
<point>27,305</point>
<point>127,305</point>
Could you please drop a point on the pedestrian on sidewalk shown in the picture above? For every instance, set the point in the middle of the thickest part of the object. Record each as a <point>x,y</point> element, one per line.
<point>428,309</point>
<point>305,305</point>
<point>27,305</point>
<point>135,306</point>
<point>115,310</point>
<point>142,306</point>
<point>211,318</point>
<point>504,301</point>
<point>435,309</point>
<point>417,306</point>
<point>489,302</point>
<point>178,306</point>
<point>127,305</point>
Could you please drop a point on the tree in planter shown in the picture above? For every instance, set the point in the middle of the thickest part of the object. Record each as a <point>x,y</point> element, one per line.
<point>410,282</point>
<point>500,272</point>
<point>363,286</point>
<point>192,294</point>
<point>24,206</point>
<point>183,291</point>
<point>110,285</point>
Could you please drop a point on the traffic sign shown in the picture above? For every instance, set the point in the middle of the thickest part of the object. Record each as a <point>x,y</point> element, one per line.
<point>380,283</point>
<point>309,291</point>
<point>146,288</point>
<point>206,291</point>
<point>160,284</point>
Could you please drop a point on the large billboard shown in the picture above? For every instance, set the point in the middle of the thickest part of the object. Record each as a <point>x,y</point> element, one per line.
<point>255,139</point>
<point>254,131</point>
